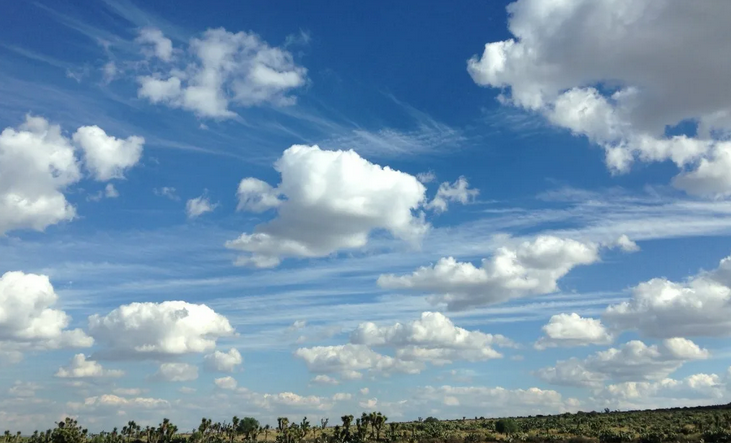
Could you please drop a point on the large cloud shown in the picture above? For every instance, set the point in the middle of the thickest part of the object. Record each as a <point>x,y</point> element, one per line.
<point>619,73</point>
<point>176,372</point>
<point>107,157</point>
<point>349,359</point>
<point>433,337</point>
<point>222,68</point>
<point>530,268</point>
<point>661,308</point>
<point>155,330</point>
<point>223,361</point>
<point>694,389</point>
<point>573,330</point>
<point>332,200</point>
<point>80,367</point>
<point>38,163</point>
<point>494,401</point>
<point>28,320</point>
<point>633,361</point>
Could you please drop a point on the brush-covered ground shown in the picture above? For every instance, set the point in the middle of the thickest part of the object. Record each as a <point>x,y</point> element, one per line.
<point>708,424</point>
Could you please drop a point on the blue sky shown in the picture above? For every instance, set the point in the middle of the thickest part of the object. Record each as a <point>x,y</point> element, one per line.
<point>274,209</point>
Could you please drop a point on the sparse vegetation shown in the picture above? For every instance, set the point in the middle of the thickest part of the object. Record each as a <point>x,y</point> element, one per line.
<point>711,424</point>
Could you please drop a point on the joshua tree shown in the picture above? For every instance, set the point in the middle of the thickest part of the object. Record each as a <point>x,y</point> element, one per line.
<point>305,427</point>
<point>377,421</point>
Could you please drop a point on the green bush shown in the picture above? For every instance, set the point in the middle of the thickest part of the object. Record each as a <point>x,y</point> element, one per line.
<point>506,426</point>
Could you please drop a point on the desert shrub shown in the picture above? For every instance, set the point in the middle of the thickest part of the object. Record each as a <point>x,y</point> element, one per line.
<point>506,426</point>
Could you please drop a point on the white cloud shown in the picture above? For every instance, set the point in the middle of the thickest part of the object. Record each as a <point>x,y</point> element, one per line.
<point>426,177</point>
<point>107,157</point>
<point>323,379</point>
<point>497,401</point>
<point>668,392</point>
<point>223,361</point>
<point>661,308</point>
<point>166,191</point>
<point>292,400</point>
<point>573,330</point>
<point>162,47</point>
<point>23,389</point>
<point>140,330</point>
<point>80,367</point>
<point>227,383</point>
<point>257,196</point>
<point>110,191</point>
<point>341,396</point>
<point>28,320</point>
<point>114,401</point>
<point>225,68</point>
<point>624,243</point>
<point>176,372</point>
<point>364,391</point>
<point>129,391</point>
<point>349,359</point>
<point>530,268</point>
<point>565,54</point>
<point>334,199</point>
<point>109,71</point>
<point>195,207</point>
<point>459,191</point>
<point>38,163</point>
<point>633,361</point>
<point>433,337</point>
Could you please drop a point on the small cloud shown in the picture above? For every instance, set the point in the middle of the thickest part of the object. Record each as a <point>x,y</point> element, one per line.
<point>195,207</point>
<point>110,191</point>
<point>109,72</point>
<point>426,177</point>
<point>166,191</point>
<point>625,244</point>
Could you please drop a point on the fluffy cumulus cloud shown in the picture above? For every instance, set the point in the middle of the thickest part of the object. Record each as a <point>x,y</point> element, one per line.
<point>176,372</point>
<point>330,201</point>
<point>529,268</point>
<point>116,402</point>
<point>107,157</point>
<point>28,320</point>
<point>227,383</point>
<point>80,367</point>
<point>573,330</point>
<point>694,389</point>
<point>151,330</point>
<point>223,361</point>
<point>494,401</point>
<point>620,74</point>
<point>38,163</point>
<point>219,68</point>
<point>433,337</point>
<point>633,361</point>
<point>195,207</point>
<point>459,191</point>
<point>700,306</point>
<point>155,44</point>
<point>350,359</point>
